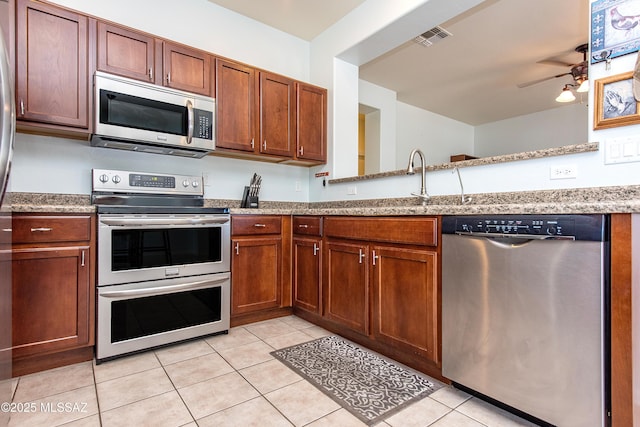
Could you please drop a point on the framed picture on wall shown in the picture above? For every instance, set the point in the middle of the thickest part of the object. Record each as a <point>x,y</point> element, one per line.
<point>615,28</point>
<point>615,104</point>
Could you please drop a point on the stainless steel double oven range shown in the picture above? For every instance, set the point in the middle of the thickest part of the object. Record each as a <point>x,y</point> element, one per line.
<point>163,261</point>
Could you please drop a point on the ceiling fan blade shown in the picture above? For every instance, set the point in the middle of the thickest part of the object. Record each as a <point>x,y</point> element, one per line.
<point>555,62</point>
<point>533,82</point>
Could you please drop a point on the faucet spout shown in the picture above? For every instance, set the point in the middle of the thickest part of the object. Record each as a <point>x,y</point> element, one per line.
<point>410,171</point>
<point>463,199</point>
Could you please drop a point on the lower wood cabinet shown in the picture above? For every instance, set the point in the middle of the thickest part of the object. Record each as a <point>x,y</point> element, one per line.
<point>307,263</point>
<point>405,299</point>
<point>380,286</point>
<point>260,267</point>
<point>53,290</point>
<point>346,288</point>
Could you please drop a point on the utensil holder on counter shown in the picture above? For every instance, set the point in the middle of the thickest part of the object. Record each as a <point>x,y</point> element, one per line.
<point>249,201</point>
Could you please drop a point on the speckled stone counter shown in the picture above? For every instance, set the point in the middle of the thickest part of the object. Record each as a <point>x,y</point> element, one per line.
<point>527,155</point>
<point>620,199</point>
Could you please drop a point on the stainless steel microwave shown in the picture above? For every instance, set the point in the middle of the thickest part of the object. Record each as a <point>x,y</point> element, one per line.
<point>143,117</point>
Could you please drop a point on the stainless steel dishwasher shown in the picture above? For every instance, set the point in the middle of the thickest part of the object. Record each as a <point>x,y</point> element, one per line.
<point>525,313</point>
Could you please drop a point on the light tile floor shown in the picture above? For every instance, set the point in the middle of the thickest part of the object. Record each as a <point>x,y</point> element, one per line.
<point>225,380</point>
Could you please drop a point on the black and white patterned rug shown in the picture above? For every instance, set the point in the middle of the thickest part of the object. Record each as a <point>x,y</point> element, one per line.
<point>366,384</point>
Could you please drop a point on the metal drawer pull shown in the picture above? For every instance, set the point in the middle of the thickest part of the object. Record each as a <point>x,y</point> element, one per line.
<point>315,249</point>
<point>361,256</point>
<point>21,107</point>
<point>375,257</point>
<point>303,226</point>
<point>41,229</point>
<point>237,248</point>
<point>7,230</point>
<point>259,225</point>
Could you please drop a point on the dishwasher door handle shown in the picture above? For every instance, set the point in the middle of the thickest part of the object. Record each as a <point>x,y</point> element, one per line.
<point>514,236</point>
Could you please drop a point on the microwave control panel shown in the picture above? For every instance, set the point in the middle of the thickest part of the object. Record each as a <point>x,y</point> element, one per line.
<point>203,126</point>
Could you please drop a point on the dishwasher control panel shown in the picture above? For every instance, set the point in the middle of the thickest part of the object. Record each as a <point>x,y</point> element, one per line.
<point>583,227</point>
<point>535,226</point>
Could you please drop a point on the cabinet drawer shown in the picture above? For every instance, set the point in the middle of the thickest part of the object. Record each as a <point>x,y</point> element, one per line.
<point>255,224</point>
<point>407,230</point>
<point>307,225</point>
<point>49,229</point>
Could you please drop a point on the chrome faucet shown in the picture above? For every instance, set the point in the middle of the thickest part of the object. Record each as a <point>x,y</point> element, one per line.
<point>410,171</point>
<point>463,199</point>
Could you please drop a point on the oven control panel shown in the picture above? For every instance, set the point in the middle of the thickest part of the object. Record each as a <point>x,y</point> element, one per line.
<point>117,181</point>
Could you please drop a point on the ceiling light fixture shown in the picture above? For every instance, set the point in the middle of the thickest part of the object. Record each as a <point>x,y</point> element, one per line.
<point>566,95</point>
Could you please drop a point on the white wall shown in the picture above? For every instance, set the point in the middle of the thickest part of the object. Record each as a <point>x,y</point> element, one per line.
<point>565,125</point>
<point>383,100</point>
<point>437,136</point>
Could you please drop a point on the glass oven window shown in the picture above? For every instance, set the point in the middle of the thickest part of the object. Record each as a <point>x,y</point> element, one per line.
<point>133,249</point>
<point>146,316</point>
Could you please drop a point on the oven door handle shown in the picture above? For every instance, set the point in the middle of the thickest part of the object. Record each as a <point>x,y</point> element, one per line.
<point>158,290</point>
<point>161,221</point>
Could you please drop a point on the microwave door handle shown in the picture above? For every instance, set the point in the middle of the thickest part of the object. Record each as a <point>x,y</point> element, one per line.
<point>189,121</point>
<point>163,289</point>
<point>161,221</point>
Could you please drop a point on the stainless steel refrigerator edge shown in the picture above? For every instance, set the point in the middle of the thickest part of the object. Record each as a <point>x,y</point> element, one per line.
<point>7,131</point>
<point>524,319</point>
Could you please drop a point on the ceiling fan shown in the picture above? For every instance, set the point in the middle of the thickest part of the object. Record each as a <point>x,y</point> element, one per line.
<point>579,71</point>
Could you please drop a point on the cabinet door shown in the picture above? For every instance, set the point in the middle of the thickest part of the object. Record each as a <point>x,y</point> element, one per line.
<point>307,262</point>
<point>255,274</point>
<point>51,299</point>
<point>277,99</point>
<point>311,119</point>
<point>52,65</point>
<point>235,101</point>
<point>405,307</point>
<point>187,69</point>
<point>126,53</point>
<point>346,285</point>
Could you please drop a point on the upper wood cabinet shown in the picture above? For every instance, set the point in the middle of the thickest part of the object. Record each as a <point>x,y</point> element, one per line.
<point>52,65</point>
<point>311,124</point>
<point>235,102</point>
<point>269,115</point>
<point>128,53</point>
<point>277,124</point>
<point>143,57</point>
<point>187,69</point>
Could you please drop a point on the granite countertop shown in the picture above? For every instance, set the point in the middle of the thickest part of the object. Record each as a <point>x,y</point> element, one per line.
<point>619,199</point>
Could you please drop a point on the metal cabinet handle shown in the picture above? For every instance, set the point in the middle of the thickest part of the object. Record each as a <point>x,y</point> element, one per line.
<point>316,248</point>
<point>301,151</point>
<point>168,78</point>
<point>151,74</point>
<point>41,229</point>
<point>264,145</point>
<point>361,256</point>
<point>237,248</point>
<point>7,230</point>
<point>303,226</point>
<point>375,257</point>
<point>252,143</point>
<point>21,107</point>
<point>259,225</point>
<point>82,260</point>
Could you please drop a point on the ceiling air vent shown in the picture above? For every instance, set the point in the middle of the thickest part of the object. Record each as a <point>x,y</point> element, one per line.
<point>432,36</point>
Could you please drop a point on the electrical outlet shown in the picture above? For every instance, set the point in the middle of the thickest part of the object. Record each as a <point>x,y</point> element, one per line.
<point>563,172</point>
<point>205,179</point>
<point>298,186</point>
<point>352,190</point>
